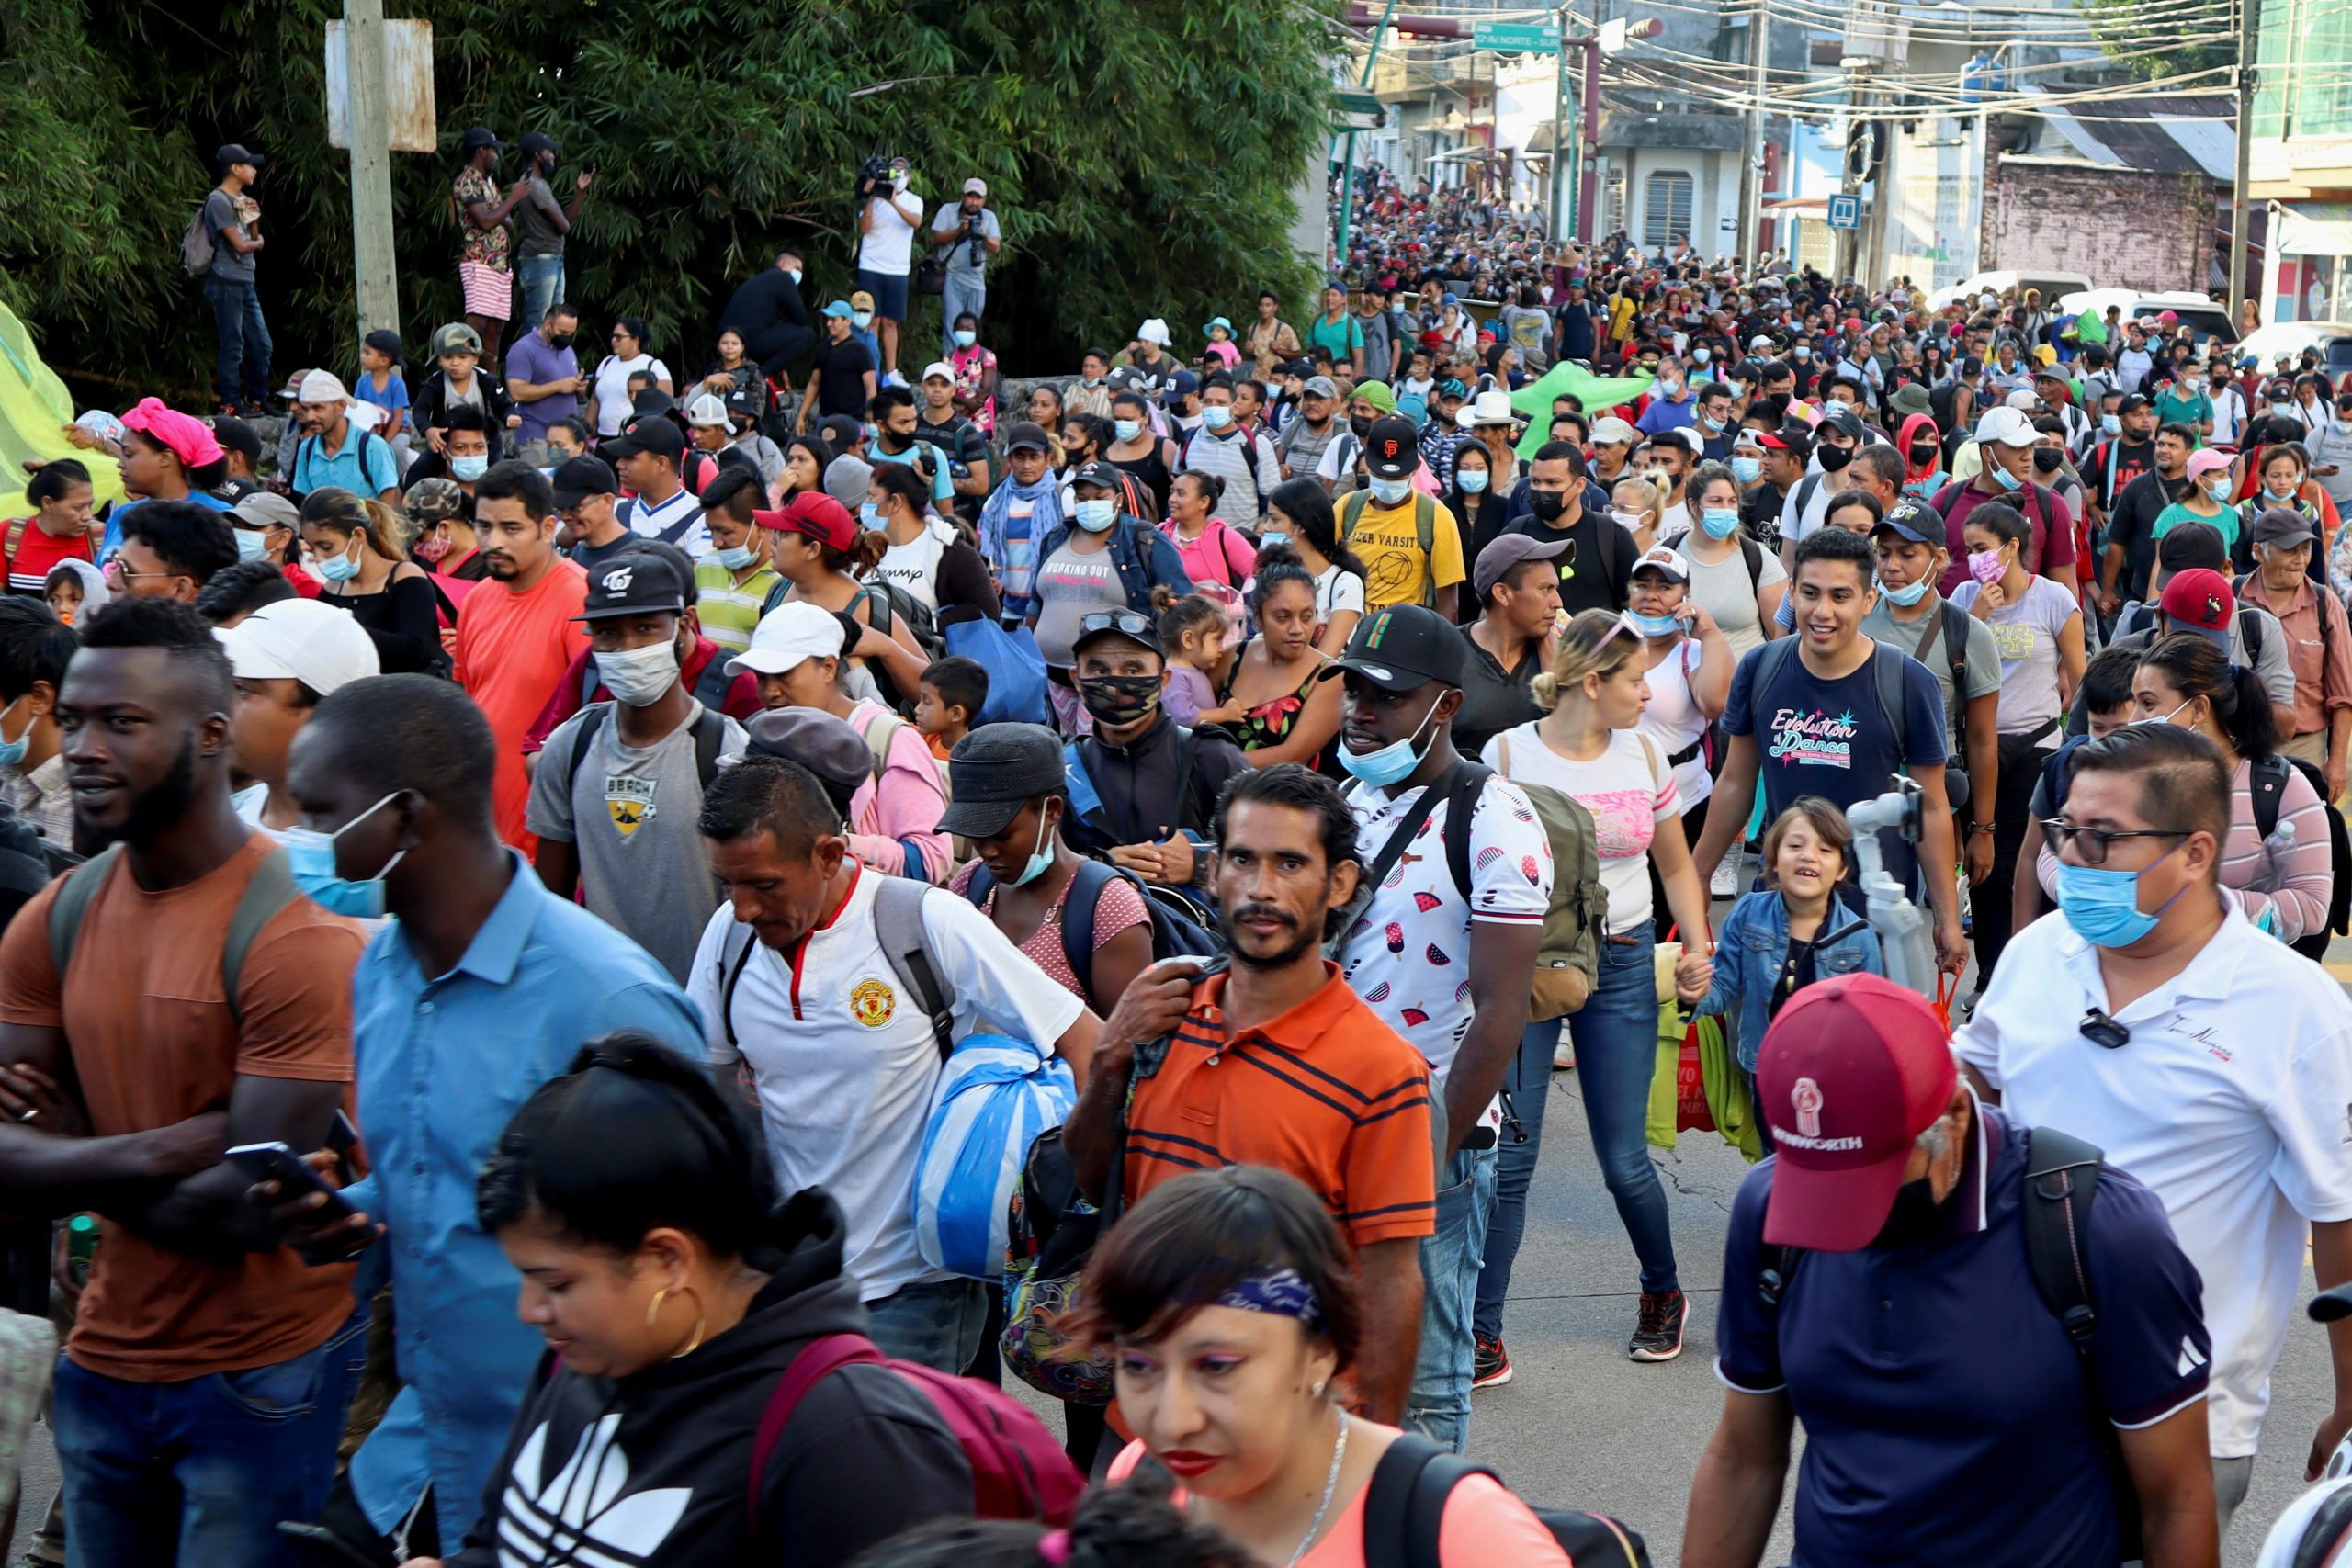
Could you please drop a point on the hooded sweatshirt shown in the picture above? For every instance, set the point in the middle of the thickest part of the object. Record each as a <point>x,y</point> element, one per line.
<point>651,1471</point>
<point>1918,482</point>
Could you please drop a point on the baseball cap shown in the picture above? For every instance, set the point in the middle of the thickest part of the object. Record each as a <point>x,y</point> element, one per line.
<point>1686,437</point>
<point>2005,427</point>
<point>300,640</point>
<point>632,585</point>
<point>1182,385</point>
<point>2205,461</point>
<point>939,367</point>
<point>2132,403</point>
<point>479,137</point>
<point>267,509</point>
<point>1909,520</point>
<point>1324,386</point>
<point>826,746</point>
<point>813,515</point>
<point>707,410</point>
<point>231,153</point>
<point>1613,431</point>
<point>1391,448</point>
<point>1511,551</point>
<point>235,435</point>
<point>577,479</point>
<point>1403,646</point>
<point>321,387</point>
<point>1759,344</point>
<point>859,299</point>
<point>2190,544</point>
<point>839,309</point>
<point>2283,526</point>
<point>1793,437</point>
<point>994,771</point>
<point>1098,473</point>
<point>787,636</point>
<point>539,142</point>
<point>655,433</point>
<point>1662,558</point>
<point>1849,1075</point>
<point>1028,434</point>
<point>429,501</point>
<point>976,187</point>
<point>1844,423</point>
<point>1133,625</point>
<point>456,338</point>
<point>1452,388</point>
<point>2200,600</point>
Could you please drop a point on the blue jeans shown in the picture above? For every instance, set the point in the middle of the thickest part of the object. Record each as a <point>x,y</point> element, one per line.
<point>1439,1405</point>
<point>241,366</point>
<point>1616,1039</point>
<point>201,1472</point>
<point>936,1322</point>
<point>964,294</point>
<point>542,287</point>
<point>1530,1088</point>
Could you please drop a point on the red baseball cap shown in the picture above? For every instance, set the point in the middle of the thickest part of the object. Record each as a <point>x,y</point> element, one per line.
<point>1853,1070</point>
<point>2200,600</point>
<point>816,514</point>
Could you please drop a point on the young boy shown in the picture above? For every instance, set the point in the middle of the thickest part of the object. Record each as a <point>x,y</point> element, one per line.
<point>953,693</point>
<point>379,383</point>
<point>2102,706</point>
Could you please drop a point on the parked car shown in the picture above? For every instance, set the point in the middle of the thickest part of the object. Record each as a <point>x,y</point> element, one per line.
<point>2051,284</point>
<point>2198,312</point>
<point>2333,339</point>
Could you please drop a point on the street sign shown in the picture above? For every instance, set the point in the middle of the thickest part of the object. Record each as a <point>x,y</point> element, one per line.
<point>1515,38</point>
<point>1845,212</point>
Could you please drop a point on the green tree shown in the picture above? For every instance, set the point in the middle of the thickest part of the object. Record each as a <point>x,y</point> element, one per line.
<point>2169,42</point>
<point>1142,159</point>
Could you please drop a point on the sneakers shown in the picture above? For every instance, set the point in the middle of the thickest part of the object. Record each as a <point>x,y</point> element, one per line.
<point>1725,884</point>
<point>1489,1364</point>
<point>1658,1336</point>
<point>1564,1055</point>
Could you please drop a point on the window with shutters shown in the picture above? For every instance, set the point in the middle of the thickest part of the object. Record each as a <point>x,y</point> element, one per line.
<point>1666,207</point>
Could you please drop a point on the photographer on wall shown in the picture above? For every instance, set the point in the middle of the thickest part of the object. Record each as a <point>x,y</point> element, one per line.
<point>887,215</point>
<point>968,234</point>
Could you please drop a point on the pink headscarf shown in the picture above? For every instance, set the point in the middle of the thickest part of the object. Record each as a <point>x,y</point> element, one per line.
<point>189,438</point>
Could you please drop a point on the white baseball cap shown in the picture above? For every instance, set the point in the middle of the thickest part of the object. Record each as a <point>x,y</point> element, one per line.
<point>320,387</point>
<point>939,367</point>
<point>707,410</point>
<point>300,640</point>
<point>976,187</point>
<point>2005,427</point>
<point>1153,331</point>
<point>787,636</point>
<point>1613,431</point>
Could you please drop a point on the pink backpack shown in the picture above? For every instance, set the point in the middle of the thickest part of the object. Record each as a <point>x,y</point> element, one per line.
<point>1019,1472</point>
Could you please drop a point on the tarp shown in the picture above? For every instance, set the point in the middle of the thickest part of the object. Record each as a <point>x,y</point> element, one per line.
<point>34,411</point>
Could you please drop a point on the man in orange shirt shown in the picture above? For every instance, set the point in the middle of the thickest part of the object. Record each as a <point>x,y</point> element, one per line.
<point>513,646</point>
<point>1278,1063</point>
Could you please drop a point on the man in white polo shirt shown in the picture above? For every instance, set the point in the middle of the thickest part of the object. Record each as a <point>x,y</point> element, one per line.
<point>2205,1058</point>
<point>800,996</point>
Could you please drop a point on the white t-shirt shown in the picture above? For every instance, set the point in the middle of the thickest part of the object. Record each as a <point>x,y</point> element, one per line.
<point>847,1064</point>
<point>2233,1115</point>
<point>1673,720</point>
<point>887,247</point>
<point>1408,957</point>
<point>1336,589</point>
<point>611,392</point>
<point>2025,634</point>
<point>1629,790</point>
<point>914,566</point>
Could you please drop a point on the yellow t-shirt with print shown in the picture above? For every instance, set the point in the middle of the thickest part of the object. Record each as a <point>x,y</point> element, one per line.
<point>1388,541</point>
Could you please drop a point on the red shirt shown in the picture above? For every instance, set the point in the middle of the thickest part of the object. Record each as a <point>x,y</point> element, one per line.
<point>38,550</point>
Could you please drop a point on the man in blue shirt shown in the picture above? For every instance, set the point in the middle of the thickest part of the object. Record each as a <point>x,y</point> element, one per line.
<point>484,989</point>
<point>1948,1418</point>
<point>335,452</point>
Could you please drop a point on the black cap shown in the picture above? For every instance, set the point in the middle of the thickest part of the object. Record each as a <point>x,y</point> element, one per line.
<point>2132,403</point>
<point>478,138</point>
<point>632,585</point>
<point>994,771</point>
<point>1097,472</point>
<point>1027,434</point>
<point>1844,423</point>
<point>1391,448</point>
<point>233,152</point>
<point>1401,647</point>
<point>841,431</point>
<point>2192,543</point>
<point>539,142</point>
<point>818,741</point>
<point>654,433</point>
<point>235,435</point>
<point>1913,521</point>
<point>1133,625</point>
<point>578,478</point>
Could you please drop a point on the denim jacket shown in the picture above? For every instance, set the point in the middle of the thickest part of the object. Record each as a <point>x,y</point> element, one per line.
<point>1143,556</point>
<point>1754,943</point>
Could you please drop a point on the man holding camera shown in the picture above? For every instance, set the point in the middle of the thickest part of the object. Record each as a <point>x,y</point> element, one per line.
<point>886,218</point>
<point>968,234</point>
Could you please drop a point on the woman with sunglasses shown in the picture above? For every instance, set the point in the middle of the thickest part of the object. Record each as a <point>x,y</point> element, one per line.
<point>1586,746</point>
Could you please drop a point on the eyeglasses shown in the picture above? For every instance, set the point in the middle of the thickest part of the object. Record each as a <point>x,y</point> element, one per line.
<point>2093,842</point>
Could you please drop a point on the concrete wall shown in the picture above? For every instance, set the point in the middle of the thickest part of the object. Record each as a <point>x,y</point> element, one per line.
<point>2121,226</point>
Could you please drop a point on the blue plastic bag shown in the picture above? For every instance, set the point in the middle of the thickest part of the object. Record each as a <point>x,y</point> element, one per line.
<point>1016,668</point>
<point>995,1096</point>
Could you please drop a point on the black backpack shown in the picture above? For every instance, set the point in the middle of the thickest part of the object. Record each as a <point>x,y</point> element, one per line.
<point>2267,780</point>
<point>1175,930</point>
<point>1403,1504</point>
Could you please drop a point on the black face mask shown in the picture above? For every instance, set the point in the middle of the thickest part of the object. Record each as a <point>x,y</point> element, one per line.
<point>1119,699</point>
<point>1360,424</point>
<point>1925,452</point>
<point>560,340</point>
<point>1835,458</point>
<point>1548,503</point>
<point>2046,461</point>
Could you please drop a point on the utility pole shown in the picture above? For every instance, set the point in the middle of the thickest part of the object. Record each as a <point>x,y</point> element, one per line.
<point>2241,204</point>
<point>1751,181</point>
<point>1559,224</point>
<point>1348,169</point>
<point>374,279</point>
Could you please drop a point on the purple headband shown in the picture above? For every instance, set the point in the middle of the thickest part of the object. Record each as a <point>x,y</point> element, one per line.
<point>1281,1291</point>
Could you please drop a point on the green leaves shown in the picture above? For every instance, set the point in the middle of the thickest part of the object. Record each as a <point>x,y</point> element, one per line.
<point>1141,157</point>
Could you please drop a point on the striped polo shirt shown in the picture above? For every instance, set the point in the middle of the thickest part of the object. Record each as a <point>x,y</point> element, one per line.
<point>729,610</point>
<point>1326,1091</point>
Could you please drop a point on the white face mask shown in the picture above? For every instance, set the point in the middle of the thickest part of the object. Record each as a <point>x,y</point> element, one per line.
<point>638,676</point>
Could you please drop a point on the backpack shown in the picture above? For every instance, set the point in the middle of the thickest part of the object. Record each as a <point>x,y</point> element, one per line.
<point>1403,1505</point>
<point>897,921</point>
<point>2267,781</point>
<point>1018,1471</point>
<point>902,605</point>
<point>197,246</point>
<point>710,728</point>
<point>309,444</point>
<point>271,890</point>
<point>2061,1180</point>
<point>1567,963</point>
<point>1352,510</point>
<point>1175,930</point>
<point>1951,630</point>
<point>1250,439</point>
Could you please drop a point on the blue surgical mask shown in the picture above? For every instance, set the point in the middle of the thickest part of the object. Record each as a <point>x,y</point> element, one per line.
<point>1747,470</point>
<point>793,273</point>
<point>868,514</point>
<point>1908,594</point>
<point>471,467</point>
<point>734,558</point>
<point>966,337</point>
<point>310,857</point>
<point>1711,426</point>
<point>2110,425</point>
<point>252,544</point>
<point>1272,537</point>
<point>1700,355</point>
<point>1655,626</point>
<point>1128,429</point>
<point>1720,522</point>
<point>1384,766</point>
<point>1835,406</point>
<point>1040,859</point>
<point>861,319</point>
<point>2003,478</point>
<point>1389,492</point>
<point>340,568</point>
<point>2103,906</point>
<point>1472,479</point>
<point>12,752</point>
<point>1217,416</point>
<point>1095,516</point>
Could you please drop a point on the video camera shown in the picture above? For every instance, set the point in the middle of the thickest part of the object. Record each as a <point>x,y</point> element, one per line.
<point>875,172</point>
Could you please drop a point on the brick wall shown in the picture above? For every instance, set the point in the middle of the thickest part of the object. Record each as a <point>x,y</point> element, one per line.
<point>2124,228</point>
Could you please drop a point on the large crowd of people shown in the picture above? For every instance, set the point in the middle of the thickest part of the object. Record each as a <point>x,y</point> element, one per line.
<point>827,893</point>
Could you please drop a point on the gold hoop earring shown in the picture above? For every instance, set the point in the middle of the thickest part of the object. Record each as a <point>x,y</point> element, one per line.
<point>654,1307</point>
<point>701,1321</point>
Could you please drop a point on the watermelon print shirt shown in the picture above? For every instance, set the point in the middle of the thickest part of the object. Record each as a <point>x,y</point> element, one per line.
<point>1628,788</point>
<point>1408,956</point>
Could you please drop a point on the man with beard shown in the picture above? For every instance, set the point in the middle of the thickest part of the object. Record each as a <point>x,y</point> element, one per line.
<point>519,634</point>
<point>1287,867</point>
<point>202,1392</point>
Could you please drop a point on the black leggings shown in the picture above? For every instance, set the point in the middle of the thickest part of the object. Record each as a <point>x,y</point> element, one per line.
<point>1988,900</point>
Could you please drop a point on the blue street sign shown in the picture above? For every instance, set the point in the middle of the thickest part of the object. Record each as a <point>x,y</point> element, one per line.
<point>1845,212</point>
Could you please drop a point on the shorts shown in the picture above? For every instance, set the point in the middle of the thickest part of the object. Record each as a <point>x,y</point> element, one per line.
<point>890,293</point>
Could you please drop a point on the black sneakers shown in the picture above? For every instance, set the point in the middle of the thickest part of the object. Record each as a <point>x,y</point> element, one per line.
<point>1658,1336</point>
<point>1489,1364</point>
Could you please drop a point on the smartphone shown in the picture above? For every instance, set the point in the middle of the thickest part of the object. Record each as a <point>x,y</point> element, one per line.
<point>276,1162</point>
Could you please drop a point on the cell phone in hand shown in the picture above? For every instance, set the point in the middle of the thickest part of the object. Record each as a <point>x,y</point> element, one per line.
<point>276,1162</point>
